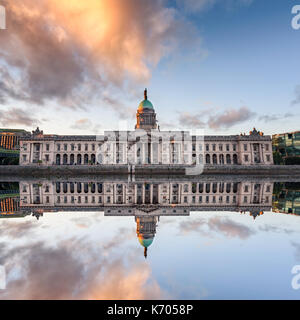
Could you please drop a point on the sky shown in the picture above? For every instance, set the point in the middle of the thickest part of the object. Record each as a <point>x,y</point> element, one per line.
<point>207,255</point>
<point>80,67</point>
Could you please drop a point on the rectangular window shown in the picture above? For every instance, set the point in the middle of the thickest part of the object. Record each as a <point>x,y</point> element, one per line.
<point>207,147</point>
<point>267,147</point>
<point>245,147</point>
<point>25,146</point>
<point>227,147</point>
<point>234,147</point>
<point>24,158</point>
<point>72,147</point>
<point>220,147</point>
<point>65,147</point>
<point>246,189</point>
<point>214,147</point>
<point>47,147</point>
<point>47,157</point>
<point>246,158</point>
<point>58,147</point>
<point>79,147</point>
<point>268,158</point>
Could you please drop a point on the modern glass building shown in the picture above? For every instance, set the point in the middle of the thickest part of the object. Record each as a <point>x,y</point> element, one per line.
<point>287,145</point>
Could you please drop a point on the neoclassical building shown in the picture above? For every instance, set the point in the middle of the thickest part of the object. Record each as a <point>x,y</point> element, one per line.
<point>146,145</point>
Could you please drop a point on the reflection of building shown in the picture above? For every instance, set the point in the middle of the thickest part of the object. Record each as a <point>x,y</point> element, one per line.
<point>147,144</point>
<point>134,198</point>
<point>286,198</point>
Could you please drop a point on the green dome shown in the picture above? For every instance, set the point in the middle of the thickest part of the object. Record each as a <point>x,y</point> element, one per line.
<point>146,104</point>
<point>145,242</point>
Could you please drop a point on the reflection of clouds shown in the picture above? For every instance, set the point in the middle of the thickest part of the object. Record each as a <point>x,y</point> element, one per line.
<point>296,245</point>
<point>75,268</point>
<point>223,225</point>
<point>22,229</point>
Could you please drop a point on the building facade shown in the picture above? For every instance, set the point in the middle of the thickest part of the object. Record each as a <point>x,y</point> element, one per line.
<point>147,144</point>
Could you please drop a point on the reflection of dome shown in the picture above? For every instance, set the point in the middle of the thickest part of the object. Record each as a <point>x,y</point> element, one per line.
<point>145,242</point>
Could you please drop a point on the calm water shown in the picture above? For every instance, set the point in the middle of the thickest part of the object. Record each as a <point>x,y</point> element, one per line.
<point>208,239</point>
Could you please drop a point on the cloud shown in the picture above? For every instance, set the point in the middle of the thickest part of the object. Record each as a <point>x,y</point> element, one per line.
<point>82,124</point>
<point>72,51</point>
<point>230,118</point>
<point>190,120</point>
<point>297,94</point>
<point>16,116</point>
<point>208,118</point>
<point>225,226</point>
<point>275,117</point>
<point>195,6</point>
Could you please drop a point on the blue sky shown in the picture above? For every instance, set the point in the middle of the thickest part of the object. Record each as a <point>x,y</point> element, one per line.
<point>226,67</point>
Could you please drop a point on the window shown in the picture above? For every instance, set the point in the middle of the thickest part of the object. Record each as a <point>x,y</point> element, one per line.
<point>72,147</point>
<point>268,158</point>
<point>220,147</point>
<point>25,146</point>
<point>207,147</point>
<point>267,147</point>
<point>47,157</point>
<point>24,158</point>
<point>227,147</point>
<point>58,147</point>
<point>234,147</point>
<point>65,147</point>
<point>245,199</point>
<point>246,158</point>
<point>245,147</point>
<point>268,189</point>
<point>47,147</point>
<point>214,147</point>
<point>47,189</point>
<point>246,188</point>
<point>79,147</point>
<point>86,147</point>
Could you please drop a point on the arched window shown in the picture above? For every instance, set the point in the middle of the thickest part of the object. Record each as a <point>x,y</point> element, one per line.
<point>65,159</point>
<point>72,187</point>
<point>235,159</point>
<point>215,161</point>
<point>221,187</point>
<point>235,187</point>
<point>65,187</point>
<point>207,158</point>
<point>93,187</point>
<point>79,188</point>
<point>194,187</point>
<point>79,159</point>
<point>93,159</point>
<point>221,159</point>
<point>228,187</point>
<point>100,187</point>
<point>57,187</point>
<point>86,159</point>
<point>200,187</point>
<point>207,188</point>
<point>72,158</point>
<point>215,186</point>
<point>58,159</point>
<point>228,159</point>
<point>86,188</point>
